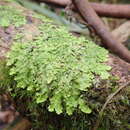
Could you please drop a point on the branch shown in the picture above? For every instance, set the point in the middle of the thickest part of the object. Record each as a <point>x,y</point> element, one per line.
<point>107,10</point>
<point>102,31</point>
<point>112,10</point>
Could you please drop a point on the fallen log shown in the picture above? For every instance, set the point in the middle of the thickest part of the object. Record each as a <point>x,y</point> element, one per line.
<point>102,9</point>
<point>96,96</point>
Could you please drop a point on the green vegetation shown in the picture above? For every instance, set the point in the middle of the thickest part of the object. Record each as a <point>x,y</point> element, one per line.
<point>57,67</point>
<point>54,70</point>
<point>9,15</point>
<point>5,78</point>
<point>58,71</point>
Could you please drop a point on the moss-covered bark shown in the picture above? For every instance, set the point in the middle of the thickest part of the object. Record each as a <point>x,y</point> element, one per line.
<point>24,28</point>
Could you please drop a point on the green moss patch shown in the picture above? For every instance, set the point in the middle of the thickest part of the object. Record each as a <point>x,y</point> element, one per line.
<point>10,15</point>
<point>57,67</point>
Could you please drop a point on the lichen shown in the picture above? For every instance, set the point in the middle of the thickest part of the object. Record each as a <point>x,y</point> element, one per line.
<point>11,16</point>
<point>57,67</point>
<point>53,67</point>
<point>53,60</point>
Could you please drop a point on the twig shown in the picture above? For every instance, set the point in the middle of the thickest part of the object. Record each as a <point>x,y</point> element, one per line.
<point>106,10</point>
<point>101,30</point>
<point>112,10</point>
<point>106,103</point>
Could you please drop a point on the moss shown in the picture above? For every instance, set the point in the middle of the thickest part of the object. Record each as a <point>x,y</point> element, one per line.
<point>55,60</point>
<point>56,66</point>
<point>11,16</point>
<point>8,16</point>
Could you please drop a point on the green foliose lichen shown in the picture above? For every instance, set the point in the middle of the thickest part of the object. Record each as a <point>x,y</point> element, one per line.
<point>57,68</point>
<point>54,67</point>
<point>11,16</point>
